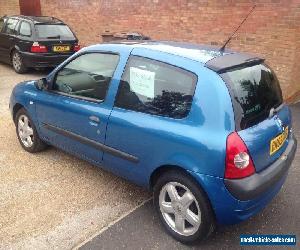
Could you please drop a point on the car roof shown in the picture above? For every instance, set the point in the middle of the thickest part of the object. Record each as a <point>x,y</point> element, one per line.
<point>39,19</point>
<point>196,52</point>
<point>210,56</point>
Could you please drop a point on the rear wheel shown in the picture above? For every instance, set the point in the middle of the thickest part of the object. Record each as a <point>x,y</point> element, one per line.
<point>183,208</point>
<point>27,133</point>
<point>17,62</point>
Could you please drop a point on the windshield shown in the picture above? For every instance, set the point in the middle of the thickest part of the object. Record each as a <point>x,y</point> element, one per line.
<point>255,91</point>
<point>59,31</point>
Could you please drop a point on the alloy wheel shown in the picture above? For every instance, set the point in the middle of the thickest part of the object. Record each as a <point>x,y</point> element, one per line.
<point>17,61</point>
<point>25,131</point>
<point>179,208</point>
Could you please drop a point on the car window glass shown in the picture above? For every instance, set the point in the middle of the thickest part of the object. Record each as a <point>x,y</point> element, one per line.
<point>11,26</point>
<point>1,24</point>
<point>87,76</point>
<point>54,31</point>
<point>256,90</point>
<point>157,88</point>
<point>25,29</point>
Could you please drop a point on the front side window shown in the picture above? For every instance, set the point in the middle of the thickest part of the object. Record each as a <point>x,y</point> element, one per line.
<point>87,76</point>
<point>156,88</point>
<point>11,26</point>
<point>25,29</point>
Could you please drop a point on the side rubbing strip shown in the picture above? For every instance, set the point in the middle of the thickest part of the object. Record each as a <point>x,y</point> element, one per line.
<point>92,143</point>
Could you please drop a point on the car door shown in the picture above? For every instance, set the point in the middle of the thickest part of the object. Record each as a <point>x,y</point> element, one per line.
<point>153,100</point>
<point>8,38</point>
<point>73,114</point>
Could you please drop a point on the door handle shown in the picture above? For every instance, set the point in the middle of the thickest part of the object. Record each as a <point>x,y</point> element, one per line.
<point>94,118</point>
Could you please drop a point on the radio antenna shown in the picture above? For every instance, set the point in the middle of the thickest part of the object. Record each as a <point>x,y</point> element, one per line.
<point>222,49</point>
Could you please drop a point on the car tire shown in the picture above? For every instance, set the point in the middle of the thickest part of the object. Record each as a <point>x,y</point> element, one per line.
<point>185,211</point>
<point>17,62</point>
<point>27,134</point>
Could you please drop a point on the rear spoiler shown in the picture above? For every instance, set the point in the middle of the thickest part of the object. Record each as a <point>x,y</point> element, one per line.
<point>230,61</point>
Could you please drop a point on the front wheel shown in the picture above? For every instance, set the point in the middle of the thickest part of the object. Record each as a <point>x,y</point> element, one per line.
<point>27,134</point>
<point>183,208</point>
<point>18,63</point>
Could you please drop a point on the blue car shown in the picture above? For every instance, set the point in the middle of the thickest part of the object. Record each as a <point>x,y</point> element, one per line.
<point>206,130</point>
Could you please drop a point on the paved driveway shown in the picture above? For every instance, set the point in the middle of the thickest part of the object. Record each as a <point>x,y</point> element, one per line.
<point>51,199</point>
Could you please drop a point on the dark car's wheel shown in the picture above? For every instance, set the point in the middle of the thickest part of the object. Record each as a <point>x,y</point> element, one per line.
<point>183,207</point>
<point>17,62</point>
<point>27,133</point>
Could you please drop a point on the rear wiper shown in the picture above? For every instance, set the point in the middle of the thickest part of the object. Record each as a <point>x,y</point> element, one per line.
<point>53,37</point>
<point>274,111</point>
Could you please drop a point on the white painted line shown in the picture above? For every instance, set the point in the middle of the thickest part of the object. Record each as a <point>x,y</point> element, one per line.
<point>109,225</point>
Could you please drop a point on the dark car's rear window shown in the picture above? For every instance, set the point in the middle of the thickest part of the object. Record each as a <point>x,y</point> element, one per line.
<point>255,90</point>
<point>54,31</point>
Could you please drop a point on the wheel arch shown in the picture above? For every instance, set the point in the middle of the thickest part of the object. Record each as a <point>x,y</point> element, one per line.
<point>165,168</point>
<point>11,52</point>
<point>12,49</point>
<point>16,108</point>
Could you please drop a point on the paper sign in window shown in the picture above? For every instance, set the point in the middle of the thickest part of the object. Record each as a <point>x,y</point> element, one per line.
<point>142,82</point>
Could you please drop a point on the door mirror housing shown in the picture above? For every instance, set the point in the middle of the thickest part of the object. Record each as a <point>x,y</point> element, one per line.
<point>42,84</point>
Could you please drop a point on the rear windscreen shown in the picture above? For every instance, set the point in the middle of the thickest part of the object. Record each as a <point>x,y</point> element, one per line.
<point>255,90</point>
<point>54,31</point>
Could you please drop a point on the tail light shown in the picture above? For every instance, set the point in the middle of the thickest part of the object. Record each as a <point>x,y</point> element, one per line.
<point>238,160</point>
<point>76,47</point>
<point>37,48</point>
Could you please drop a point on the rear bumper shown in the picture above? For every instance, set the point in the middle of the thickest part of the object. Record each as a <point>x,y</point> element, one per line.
<point>257,184</point>
<point>36,60</point>
<point>229,209</point>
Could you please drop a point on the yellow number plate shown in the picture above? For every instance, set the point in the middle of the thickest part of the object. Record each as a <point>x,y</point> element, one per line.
<point>61,48</point>
<point>278,141</point>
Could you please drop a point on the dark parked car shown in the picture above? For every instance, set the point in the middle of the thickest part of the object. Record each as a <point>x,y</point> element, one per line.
<point>37,42</point>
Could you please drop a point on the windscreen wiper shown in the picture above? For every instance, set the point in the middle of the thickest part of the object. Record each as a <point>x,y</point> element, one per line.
<point>53,37</point>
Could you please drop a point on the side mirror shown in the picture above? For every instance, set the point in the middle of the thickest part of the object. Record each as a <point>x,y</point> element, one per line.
<point>42,84</point>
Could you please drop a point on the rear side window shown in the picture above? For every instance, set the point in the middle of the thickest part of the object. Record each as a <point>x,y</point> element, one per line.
<point>54,31</point>
<point>255,91</point>
<point>25,29</point>
<point>11,26</point>
<point>156,88</point>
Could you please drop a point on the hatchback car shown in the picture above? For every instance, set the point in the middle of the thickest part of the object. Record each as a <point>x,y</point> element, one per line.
<point>35,42</point>
<point>206,131</point>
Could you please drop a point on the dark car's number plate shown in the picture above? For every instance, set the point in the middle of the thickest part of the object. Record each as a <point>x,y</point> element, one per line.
<point>61,48</point>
